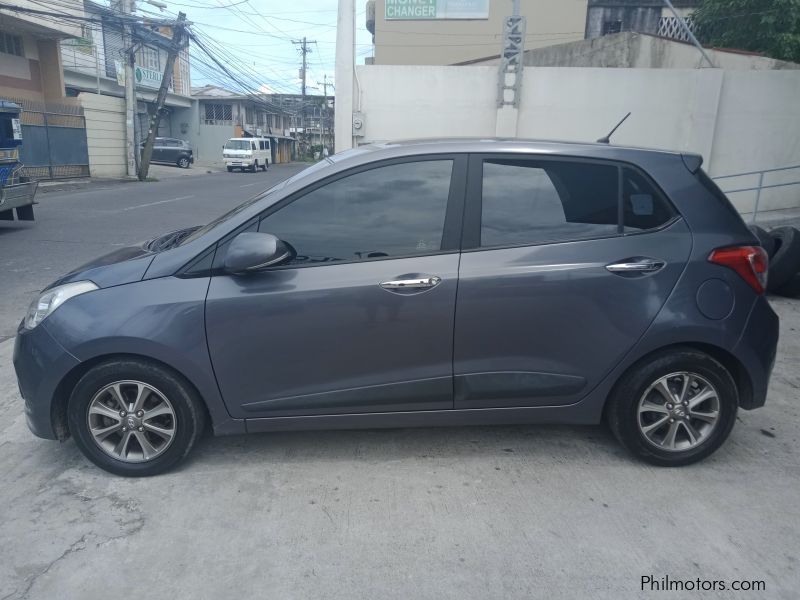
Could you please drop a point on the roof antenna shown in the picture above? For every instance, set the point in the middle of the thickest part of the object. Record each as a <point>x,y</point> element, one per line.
<point>606,139</point>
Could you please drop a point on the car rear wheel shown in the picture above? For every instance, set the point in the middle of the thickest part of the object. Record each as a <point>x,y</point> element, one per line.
<point>183,162</point>
<point>264,166</point>
<point>675,408</point>
<point>134,418</point>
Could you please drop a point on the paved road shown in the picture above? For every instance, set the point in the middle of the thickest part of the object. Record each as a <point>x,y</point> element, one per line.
<point>73,226</point>
<point>484,512</point>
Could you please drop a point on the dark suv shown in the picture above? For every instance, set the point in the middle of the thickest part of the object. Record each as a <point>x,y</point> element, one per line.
<point>172,151</point>
<point>461,282</point>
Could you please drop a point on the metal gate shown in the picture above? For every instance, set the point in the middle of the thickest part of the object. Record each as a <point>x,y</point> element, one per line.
<point>53,140</point>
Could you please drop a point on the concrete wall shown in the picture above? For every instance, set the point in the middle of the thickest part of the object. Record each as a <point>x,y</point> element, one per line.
<point>105,134</point>
<point>636,50</point>
<point>444,42</point>
<point>738,120</point>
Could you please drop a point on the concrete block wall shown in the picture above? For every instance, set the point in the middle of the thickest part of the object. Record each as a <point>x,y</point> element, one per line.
<point>105,134</point>
<point>737,120</point>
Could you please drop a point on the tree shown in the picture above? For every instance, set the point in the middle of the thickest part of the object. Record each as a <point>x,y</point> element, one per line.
<point>771,27</point>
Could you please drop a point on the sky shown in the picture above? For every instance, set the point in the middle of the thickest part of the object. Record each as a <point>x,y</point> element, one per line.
<point>259,34</point>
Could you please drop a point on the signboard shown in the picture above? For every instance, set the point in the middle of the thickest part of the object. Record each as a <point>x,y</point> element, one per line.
<point>119,68</point>
<point>418,10</point>
<point>16,128</point>
<point>147,77</point>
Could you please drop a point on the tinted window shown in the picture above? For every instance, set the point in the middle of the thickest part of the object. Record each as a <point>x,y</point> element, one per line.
<point>643,206</point>
<point>396,210</point>
<point>529,202</point>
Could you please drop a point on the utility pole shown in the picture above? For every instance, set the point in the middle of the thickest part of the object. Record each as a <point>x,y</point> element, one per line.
<point>127,7</point>
<point>166,79</point>
<point>324,113</point>
<point>345,78</point>
<point>304,50</point>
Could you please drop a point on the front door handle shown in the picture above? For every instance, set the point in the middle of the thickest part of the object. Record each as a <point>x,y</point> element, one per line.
<point>423,282</point>
<point>636,266</point>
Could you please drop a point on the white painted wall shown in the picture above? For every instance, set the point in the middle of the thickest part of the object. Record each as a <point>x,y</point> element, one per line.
<point>105,134</point>
<point>738,120</point>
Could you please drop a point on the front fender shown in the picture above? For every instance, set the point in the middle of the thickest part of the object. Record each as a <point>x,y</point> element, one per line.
<point>160,319</point>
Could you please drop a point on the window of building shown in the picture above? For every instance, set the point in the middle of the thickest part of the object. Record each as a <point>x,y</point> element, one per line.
<point>249,115</point>
<point>11,44</point>
<point>218,114</point>
<point>532,202</point>
<point>395,210</point>
<point>611,27</point>
<point>148,58</point>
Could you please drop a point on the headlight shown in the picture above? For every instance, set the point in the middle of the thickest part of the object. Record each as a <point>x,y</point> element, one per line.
<point>50,300</point>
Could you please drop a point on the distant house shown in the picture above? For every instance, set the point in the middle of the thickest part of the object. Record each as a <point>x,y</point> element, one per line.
<point>219,114</point>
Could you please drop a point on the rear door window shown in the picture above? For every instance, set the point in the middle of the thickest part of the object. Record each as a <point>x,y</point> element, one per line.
<point>527,202</point>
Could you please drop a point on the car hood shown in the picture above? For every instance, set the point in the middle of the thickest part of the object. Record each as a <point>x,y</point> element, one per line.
<point>126,264</point>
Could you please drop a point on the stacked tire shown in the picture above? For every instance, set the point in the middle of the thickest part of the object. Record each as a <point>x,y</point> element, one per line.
<point>783,247</point>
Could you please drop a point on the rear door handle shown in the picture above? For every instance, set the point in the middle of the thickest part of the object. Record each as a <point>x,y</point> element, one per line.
<point>634,266</point>
<point>422,282</point>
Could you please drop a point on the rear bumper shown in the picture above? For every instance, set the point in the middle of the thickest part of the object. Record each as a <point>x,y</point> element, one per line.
<point>757,348</point>
<point>41,363</point>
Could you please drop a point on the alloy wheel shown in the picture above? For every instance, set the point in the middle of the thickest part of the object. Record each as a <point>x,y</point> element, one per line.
<point>131,421</point>
<point>678,411</point>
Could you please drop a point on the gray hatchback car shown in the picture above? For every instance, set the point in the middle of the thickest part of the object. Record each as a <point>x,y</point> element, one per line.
<point>450,282</point>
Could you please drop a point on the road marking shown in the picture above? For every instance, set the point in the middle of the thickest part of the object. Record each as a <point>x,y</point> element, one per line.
<point>159,202</point>
<point>249,184</point>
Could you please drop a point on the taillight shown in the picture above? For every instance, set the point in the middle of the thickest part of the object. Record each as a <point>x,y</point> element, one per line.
<point>750,262</point>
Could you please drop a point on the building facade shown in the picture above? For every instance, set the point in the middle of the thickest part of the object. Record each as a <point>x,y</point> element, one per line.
<point>93,62</point>
<point>431,32</point>
<point>30,61</point>
<point>218,114</point>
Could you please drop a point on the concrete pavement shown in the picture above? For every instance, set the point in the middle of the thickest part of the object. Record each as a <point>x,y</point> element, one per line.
<point>486,512</point>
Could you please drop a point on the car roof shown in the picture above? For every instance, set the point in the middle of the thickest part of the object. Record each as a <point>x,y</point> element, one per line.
<point>489,145</point>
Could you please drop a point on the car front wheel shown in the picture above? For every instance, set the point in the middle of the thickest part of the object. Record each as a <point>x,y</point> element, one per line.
<point>675,408</point>
<point>183,162</point>
<point>134,418</point>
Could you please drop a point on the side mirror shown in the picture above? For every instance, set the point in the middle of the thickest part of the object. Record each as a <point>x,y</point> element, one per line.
<point>251,251</point>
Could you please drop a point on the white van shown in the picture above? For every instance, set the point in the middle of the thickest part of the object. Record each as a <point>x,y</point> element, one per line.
<point>247,153</point>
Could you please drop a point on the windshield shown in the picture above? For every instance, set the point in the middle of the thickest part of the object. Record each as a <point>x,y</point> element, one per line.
<point>231,213</point>
<point>238,145</point>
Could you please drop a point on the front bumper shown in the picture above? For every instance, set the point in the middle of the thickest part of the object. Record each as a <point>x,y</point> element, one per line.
<point>238,162</point>
<point>41,363</point>
<point>756,349</point>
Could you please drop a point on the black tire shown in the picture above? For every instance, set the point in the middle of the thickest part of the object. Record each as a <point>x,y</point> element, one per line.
<point>183,162</point>
<point>765,240</point>
<point>189,414</point>
<point>230,169</point>
<point>254,167</point>
<point>786,261</point>
<point>622,411</point>
<point>791,289</point>
<point>264,166</point>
